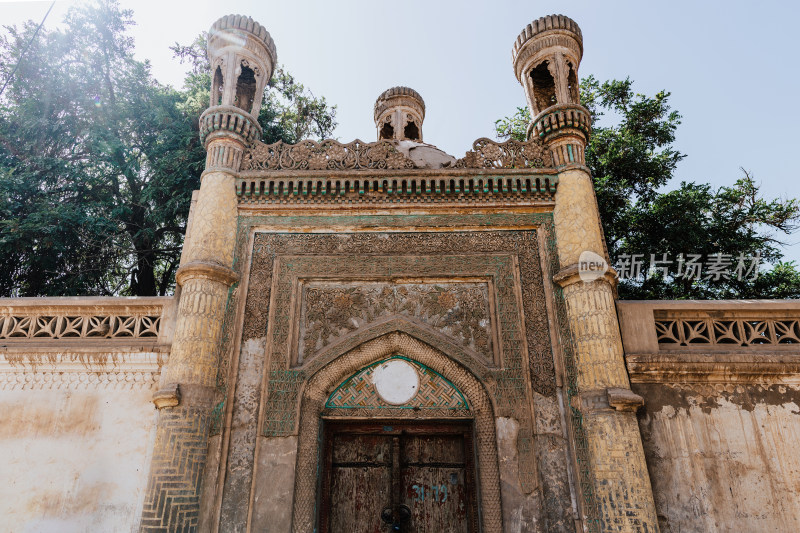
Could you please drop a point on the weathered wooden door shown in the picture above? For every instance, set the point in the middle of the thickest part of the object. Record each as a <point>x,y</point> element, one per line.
<point>413,478</point>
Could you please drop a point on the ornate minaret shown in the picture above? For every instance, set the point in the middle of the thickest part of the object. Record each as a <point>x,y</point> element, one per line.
<point>546,57</point>
<point>399,113</point>
<point>242,58</point>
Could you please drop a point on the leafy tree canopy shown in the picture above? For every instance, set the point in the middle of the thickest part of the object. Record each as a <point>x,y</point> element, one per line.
<point>98,159</point>
<point>632,158</point>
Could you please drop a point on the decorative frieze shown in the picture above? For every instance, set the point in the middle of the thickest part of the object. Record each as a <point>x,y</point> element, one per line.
<point>90,319</point>
<point>487,153</point>
<point>466,190</point>
<point>731,331</point>
<point>331,155</point>
<point>326,155</point>
<point>330,172</point>
<point>84,327</point>
<point>80,370</point>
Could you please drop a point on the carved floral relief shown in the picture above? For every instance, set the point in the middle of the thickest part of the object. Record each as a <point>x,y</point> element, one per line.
<point>459,310</point>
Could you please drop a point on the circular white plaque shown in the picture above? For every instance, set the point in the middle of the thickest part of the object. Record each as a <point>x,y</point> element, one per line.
<point>396,381</point>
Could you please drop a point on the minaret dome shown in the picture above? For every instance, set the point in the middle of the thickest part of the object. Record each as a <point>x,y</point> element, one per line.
<point>546,56</point>
<point>399,113</point>
<point>242,56</point>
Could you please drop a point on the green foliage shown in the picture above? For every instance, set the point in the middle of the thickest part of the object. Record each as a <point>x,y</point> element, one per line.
<point>632,158</point>
<point>290,112</point>
<point>98,159</point>
<point>514,126</point>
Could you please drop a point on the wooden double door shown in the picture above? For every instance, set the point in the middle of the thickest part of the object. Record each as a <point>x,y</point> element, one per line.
<point>407,477</point>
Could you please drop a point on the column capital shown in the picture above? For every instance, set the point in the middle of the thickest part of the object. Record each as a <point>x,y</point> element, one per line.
<point>204,270</point>
<point>571,274</point>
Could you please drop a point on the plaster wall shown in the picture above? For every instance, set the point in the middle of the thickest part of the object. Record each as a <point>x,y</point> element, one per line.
<point>724,458</point>
<point>721,418</point>
<point>74,460</point>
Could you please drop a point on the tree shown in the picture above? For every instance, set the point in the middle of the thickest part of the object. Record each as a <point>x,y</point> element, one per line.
<point>98,159</point>
<point>632,160</point>
<point>290,112</point>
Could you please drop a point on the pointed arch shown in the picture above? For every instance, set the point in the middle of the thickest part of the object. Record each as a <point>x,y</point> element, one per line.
<point>325,379</point>
<point>477,365</point>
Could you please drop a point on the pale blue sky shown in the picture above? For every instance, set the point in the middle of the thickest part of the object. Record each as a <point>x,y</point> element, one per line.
<point>731,66</point>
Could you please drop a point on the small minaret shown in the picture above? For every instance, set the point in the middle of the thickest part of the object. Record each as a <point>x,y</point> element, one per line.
<point>399,113</point>
<point>242,57</point>
<point>546,57</point>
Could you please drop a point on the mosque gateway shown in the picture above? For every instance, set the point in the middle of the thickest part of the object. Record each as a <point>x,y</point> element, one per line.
<point>379,336</point>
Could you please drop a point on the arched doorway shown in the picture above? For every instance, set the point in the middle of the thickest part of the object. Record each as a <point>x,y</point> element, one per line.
<point>465,433</point>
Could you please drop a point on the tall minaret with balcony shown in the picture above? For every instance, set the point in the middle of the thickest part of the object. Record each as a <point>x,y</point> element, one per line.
<point>242,56</point>
<point>546,57</point>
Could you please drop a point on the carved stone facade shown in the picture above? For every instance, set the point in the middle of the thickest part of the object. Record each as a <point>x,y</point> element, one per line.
<point>308,270</point>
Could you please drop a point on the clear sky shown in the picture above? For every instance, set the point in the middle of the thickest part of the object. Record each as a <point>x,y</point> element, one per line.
<point>731,66</point>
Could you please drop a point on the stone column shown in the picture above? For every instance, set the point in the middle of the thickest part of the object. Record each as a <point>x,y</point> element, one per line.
<point>186,398</point>
<point>604,401</point>
<point>242,57</point>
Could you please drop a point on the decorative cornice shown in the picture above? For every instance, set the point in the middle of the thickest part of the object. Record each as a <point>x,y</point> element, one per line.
<point>245,24</point>
<point>198,269</point>
<point>433,187</point>
<point>47,369</point>
<point>379,173</point>
<point>725,368</point>
<point>228,121</point>
<point>560,119</point>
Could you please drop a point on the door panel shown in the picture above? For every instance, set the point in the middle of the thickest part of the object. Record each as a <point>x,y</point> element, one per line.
<point>371,467</point>
<point>361,481</point>
<point>432,473</point>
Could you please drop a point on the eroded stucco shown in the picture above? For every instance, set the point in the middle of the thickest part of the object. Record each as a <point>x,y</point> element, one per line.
<point>74,460</point>
<point>723,458</point>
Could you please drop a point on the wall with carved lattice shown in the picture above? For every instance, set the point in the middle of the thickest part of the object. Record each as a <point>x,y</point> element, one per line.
<point>77,376</point>
<point>721,388</point>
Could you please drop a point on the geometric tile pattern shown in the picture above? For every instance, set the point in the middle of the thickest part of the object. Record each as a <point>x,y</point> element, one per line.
<point>435,392</point>
<point>172,501</point>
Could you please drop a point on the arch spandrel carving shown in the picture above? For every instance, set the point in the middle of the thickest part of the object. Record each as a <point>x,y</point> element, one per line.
<point>475,365</point>
<point>325,380</point>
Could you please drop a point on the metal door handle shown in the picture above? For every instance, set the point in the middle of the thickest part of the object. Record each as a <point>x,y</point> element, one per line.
<point>396,516</point>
